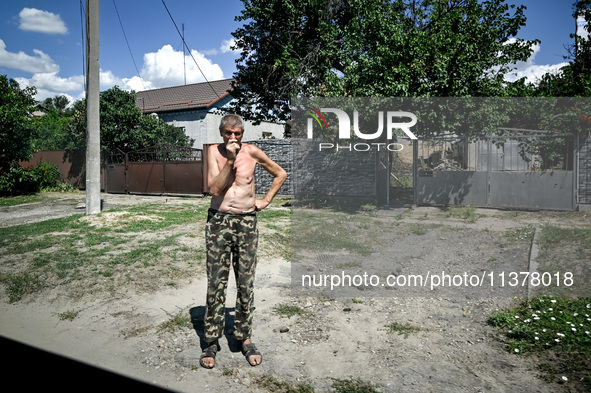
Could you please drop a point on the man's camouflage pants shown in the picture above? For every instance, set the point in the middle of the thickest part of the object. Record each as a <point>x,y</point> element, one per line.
<point>231,240</point>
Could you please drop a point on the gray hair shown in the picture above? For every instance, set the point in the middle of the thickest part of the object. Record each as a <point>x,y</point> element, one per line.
<point>232,121</point>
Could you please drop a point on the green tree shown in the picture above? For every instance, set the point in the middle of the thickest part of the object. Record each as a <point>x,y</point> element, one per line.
<point>53,128</point>
<point>574,79</point>
<point>59,103</point>
<point>124,127</point>
<point>16,107</point>
<point>401,48</point>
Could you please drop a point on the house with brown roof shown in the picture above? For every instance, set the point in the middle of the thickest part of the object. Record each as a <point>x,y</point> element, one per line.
<point>196,109</point>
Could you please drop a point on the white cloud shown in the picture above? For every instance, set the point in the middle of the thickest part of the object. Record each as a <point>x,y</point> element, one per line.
<point>227,46</point>
<point>50,85</point>
<point>136,84</point>
<point>107,80</point>
<point>21,61</point>
<point>532,71</point>
<point>51,81</point>
<point>166,68</point>
<point>32,19</point>
<point>210,52</point>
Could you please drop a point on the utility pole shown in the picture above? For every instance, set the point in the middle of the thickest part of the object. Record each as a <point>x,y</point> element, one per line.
<point>93,153</point>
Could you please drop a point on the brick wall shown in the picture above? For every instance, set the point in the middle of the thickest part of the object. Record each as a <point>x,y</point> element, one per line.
<point>310,172</point>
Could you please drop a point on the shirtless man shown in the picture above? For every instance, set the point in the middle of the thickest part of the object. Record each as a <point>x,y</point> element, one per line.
<point>231,234</point>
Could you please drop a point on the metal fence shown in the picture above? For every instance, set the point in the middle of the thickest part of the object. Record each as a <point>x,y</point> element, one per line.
<point>520,169</point>
<point>172,169</point>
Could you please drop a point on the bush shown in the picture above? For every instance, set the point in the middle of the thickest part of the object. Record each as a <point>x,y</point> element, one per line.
<point>48,175</point>
<point>18,180</point>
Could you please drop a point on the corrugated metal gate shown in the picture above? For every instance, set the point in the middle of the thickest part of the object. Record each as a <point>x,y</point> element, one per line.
<point>526,169</point>
<point>170,170</point>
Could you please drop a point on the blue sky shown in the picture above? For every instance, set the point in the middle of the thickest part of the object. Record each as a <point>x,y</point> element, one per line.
<point>41,42</point>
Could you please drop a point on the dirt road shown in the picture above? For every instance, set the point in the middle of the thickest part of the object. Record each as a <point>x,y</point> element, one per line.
<point>451,348</point>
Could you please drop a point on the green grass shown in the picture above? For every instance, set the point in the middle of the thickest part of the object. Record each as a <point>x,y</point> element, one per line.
<point>68,315</point>
<point>353,386</point>
<point>63,250</point>
<point>20,284</point>
<point>562,251</point>
<point>402,330</point>
<point>139,245</point>
<point>20,200</point>
<point>179,320</point>
<point>552,237</point>
<point>558,330</point>
<point>288,311</point>
<point>520,234</point>
<point>467,213</point>
<point>272,384</point>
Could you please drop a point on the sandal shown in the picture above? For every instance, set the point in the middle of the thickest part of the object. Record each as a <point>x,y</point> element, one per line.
<point>249,350</point>
<point>209,352</point>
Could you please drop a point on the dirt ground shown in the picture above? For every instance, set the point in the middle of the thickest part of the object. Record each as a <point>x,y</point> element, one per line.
<point>339,337</point>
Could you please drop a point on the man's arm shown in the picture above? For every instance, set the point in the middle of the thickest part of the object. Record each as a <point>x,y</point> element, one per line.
<point>218,180</point>
<point>276,171</point>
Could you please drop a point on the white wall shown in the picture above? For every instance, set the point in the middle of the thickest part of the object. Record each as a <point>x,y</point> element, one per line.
<point>203,127</point>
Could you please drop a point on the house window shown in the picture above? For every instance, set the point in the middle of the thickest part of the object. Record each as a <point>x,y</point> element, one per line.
<point>267,135</point>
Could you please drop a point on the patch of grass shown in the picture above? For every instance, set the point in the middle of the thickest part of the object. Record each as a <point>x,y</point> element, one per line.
<point>557,330</point>
<point>287,310</point>
<point>402,330</point>
<point>273,384</point>
<point>21,284</point>
<point>271,215</point>
<point>228,372</point>
<point>520,234</point>
<point>552,236</point>
<point>278,244</point>
<point>68,315</point>
<point>180,320</point>
<point>144,246</point>
<point>353,386</point>
<point>369,208</point>
<point>467,213</point>
<point>20,200</point>
<point>76,248</point>
<point>418,230</point>
<point>565,250</point>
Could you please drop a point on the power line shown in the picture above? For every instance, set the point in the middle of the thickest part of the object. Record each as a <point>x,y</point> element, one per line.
<point>185,44</point>
<point>128,47</point>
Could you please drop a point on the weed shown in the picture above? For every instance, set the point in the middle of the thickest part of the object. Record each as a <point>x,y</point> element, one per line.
<point>20,284</point>
<point>272,384</point>
<point>68,315</point>
<point>180,320</point>
<point>370,209</point>
<point>286,310</point>
<point>353,386</point>
<point>405,329</point>
<point>520,234</point>
<point>418,230</point>
<point>228,372</point>
<point>467,213</point>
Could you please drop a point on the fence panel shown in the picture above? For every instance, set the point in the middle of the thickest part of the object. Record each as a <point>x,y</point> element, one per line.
<point>532,170</point>
<point>156,171</point>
